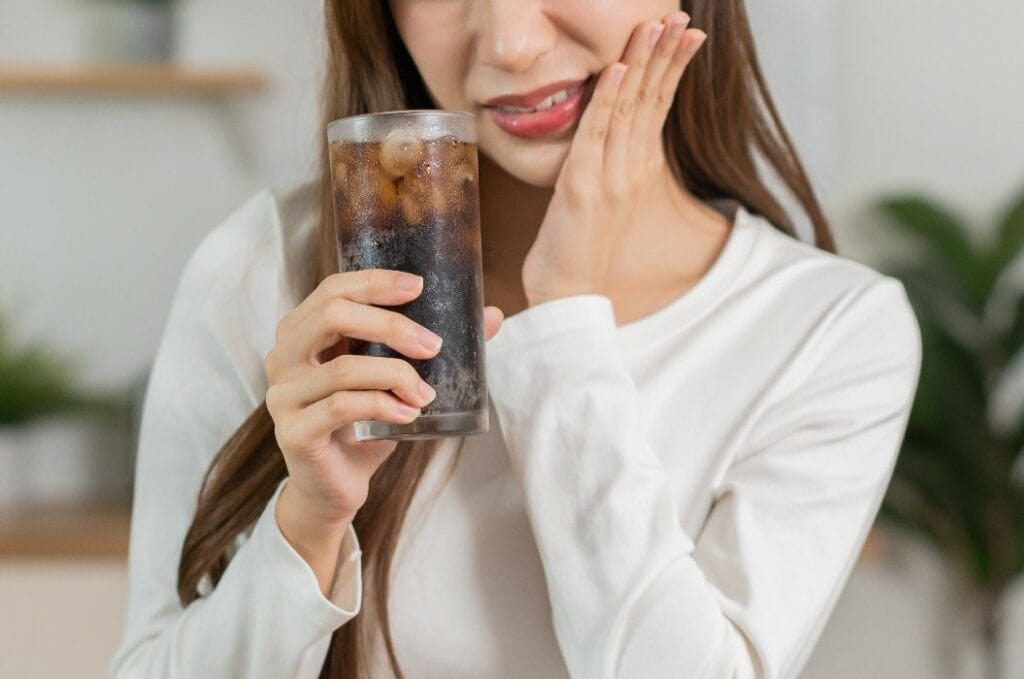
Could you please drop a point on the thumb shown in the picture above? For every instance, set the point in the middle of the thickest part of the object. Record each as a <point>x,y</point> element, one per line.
<point>493,317</point>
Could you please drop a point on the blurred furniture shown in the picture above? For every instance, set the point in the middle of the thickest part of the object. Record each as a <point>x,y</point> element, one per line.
<point>131,79</point>
<point>95,529</point>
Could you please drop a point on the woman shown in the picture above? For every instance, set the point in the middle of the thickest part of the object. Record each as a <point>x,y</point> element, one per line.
<point>694,414</point>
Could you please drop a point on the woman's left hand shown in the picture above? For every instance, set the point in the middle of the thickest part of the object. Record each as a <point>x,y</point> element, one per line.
<point>616,151</point>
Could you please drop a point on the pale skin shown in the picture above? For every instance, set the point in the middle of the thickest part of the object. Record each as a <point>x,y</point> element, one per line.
<point>594,211</point>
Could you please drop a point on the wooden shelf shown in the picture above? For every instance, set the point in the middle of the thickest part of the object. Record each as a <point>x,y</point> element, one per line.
<point>101,531</point>
<point>142,79</point>
<point>96,531</point>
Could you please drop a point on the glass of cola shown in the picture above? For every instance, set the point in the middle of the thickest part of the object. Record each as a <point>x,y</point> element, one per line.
<point>406,197</point>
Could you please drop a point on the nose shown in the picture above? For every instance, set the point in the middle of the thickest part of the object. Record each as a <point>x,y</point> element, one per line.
<point>512,34</point>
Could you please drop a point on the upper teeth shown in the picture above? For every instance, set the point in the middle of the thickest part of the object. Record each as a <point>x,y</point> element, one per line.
<point>556,98</point>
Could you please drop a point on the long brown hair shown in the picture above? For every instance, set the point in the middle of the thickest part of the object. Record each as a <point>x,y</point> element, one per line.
<point>722,117</point>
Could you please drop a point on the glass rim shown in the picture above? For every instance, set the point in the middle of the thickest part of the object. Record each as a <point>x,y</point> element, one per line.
<point>399,113</point>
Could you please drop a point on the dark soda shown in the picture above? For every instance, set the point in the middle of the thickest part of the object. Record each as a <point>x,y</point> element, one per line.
<point>409,203</point>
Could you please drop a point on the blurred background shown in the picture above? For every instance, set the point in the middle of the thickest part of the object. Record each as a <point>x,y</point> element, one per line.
<point>129,129</point>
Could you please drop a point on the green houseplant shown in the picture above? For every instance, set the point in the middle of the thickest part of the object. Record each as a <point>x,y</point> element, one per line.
<point>36,381</point>
<point>958,479</point>
<point>48,427</point>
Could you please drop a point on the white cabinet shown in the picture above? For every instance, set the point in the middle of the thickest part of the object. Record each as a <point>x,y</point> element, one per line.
<point>60,618</point>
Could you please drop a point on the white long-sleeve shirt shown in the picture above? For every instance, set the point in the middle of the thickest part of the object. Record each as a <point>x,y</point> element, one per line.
<point>684,495</point>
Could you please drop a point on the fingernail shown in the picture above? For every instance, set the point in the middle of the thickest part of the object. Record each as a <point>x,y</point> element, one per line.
<point>408,281</point>
<point>427,391</point>
<point>429,340</point>
<point>619,70</point>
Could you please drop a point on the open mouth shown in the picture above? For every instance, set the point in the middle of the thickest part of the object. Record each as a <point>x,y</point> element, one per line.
<point>549,117</point>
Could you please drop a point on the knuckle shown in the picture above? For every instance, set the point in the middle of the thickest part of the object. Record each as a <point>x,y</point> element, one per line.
<point>665,99</point>
<point>618,190</point>
<point>382,403</point>
<point>624,108</point>
<point>376,279</point>
<point>357,284</point>
<point>598,132</point>
<point>288,441</point>
<point>283,328</point>
<point>335,281</point>
<point>399,374</point>
<point>397,326</point>
<point>647,95</point>
<point>273,399</point>
<point>284,439</point>
<point>341,368</point>
<point>335,310</point>
<point>574,188</point>
<point>408,376</point>
<point>336,404</point>
<point>270,365</point>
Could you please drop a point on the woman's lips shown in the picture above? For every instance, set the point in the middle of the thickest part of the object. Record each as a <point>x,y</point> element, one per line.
<point>543,123</point>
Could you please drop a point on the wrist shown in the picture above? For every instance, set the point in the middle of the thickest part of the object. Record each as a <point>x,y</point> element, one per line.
<point>306,529</point>
<point>327,517</point>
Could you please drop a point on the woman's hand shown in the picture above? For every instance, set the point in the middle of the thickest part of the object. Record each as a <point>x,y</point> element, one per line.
<point>616,151</point>
<point>316,393</point>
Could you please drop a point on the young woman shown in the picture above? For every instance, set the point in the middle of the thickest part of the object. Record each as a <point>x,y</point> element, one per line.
<point>694,415</point>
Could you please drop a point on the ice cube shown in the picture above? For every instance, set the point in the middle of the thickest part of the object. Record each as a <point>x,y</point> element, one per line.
<point>463,174</point>
<point>340,173</point>
<point>414,196</point>
<point>371,190</point>
<point>412,210</point>
<point>400,152</point>
<point>387,195</point>
<point>471,157</point>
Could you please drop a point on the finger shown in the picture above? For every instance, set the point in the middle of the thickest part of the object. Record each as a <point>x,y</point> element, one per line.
<point>493,316</point>
<point>620,131</point>
<point>686,49</point>
<point>587,149</point>
<point>385,287</point>
<point>650,88</point>
<point>343,318</point>
<point>351,373</point>
<point>305,432</point>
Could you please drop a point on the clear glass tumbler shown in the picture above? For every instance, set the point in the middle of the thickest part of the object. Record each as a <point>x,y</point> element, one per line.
<point>406,197</point>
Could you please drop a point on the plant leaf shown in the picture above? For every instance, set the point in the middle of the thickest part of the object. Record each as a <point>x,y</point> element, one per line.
<point>951,395</point>
<point>938,297</point>
<point>36,380</point>
<point>1009,235</point>
<point>949,480</point>
<point>946,237</point>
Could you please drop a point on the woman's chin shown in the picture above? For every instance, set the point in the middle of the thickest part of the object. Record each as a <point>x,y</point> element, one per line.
<point>536,167</point>
<point>540,177</point>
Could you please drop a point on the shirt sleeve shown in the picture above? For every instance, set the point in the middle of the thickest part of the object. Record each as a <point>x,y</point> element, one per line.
<point>267,617</point>
<point>632,594</point>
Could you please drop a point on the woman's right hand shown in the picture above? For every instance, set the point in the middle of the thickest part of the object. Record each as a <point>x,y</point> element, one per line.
<point>316,392</point>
